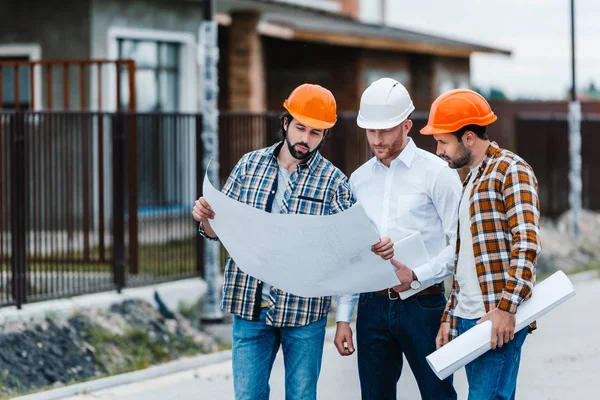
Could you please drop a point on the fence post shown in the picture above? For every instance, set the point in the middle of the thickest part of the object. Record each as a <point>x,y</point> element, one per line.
<point>199,180</point>
<point>132,168</point>
<point>18,205</point>
<point>118,190</point>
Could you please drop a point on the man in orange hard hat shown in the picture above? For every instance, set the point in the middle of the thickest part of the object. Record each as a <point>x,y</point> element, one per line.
<point>290,177</point>
<point>498,239</point>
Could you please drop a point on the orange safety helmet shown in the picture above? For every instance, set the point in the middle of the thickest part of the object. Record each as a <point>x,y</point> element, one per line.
<point>456,109</point>
<point>312,105</point>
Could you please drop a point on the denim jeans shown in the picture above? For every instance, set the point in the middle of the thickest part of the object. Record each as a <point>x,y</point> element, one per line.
<point>493,375</point>
<point>386,329</point>
<point>255,345</point>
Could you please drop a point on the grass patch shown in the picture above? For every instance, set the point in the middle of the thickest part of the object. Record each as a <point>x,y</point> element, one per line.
<point>223,346</point>
<point>177,256</point>
<point>134,350</point>
<point>191,311</point>
<point>158,259</point>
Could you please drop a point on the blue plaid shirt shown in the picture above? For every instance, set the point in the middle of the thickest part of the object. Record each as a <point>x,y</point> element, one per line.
<point>316,188</point>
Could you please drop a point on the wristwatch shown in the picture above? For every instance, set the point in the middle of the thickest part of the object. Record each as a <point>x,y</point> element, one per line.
<point>204,235</point>
<point>415,284</point>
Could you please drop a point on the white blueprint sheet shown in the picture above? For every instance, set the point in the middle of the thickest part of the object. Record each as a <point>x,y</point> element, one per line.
<point>411,251</point>
<point>553,291</point>
<point>306,255</point>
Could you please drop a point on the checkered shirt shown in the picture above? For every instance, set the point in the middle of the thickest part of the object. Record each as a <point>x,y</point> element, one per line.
<point>505,216</point>
<point>316,187</point>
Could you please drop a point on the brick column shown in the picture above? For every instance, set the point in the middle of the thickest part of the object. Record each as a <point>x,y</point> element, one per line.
<point>247,88</point>
<point>350,8</point>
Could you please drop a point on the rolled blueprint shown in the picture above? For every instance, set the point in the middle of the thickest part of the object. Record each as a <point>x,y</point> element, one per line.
<point>547,295</point>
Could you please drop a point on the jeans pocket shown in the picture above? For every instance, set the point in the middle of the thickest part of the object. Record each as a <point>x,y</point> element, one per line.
<point>433,302</point>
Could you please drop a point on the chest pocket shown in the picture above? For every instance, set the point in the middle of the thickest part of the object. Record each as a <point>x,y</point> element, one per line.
<point>310,203</point>
<point>414,204</point>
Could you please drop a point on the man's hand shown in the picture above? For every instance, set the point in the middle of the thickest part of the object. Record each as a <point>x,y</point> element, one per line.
<point>503,326</point>
<point>202,211</point>
<point>443,335</point>
<point>343,339</point>
<point>404,274</point>
<point>384,248</point>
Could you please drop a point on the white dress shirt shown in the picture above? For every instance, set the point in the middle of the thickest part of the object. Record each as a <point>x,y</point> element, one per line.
<point>418,192</point>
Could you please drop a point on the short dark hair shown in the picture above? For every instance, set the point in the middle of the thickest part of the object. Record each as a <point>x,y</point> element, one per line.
<point>287,116</point>
<point>480,131</point>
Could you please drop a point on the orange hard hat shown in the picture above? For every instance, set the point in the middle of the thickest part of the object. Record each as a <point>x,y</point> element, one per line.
<point>456,109</point>
<point>312,105</point>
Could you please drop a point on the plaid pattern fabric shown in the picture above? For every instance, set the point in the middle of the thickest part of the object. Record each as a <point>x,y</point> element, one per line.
<point>505,216</point>
<point>316,188</point>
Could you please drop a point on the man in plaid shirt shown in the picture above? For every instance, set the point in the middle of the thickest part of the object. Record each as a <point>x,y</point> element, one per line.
<point>498,241</point>
<point>290,177</point>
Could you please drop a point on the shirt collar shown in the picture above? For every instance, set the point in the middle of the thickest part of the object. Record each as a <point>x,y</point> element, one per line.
<point>406,156</point>
<point>312,163</point>
<point>490,153</point>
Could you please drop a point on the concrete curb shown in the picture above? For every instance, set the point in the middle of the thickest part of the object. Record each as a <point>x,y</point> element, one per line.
<point>131,377</point>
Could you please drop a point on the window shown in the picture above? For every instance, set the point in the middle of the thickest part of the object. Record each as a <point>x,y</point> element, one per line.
<point>9,84</point>
<point>371,75</point>
<point>157,74</point>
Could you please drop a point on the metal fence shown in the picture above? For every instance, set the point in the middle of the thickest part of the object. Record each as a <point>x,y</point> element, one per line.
<point>91,202</point>
<point>346,146</point>
<point>543,141</point>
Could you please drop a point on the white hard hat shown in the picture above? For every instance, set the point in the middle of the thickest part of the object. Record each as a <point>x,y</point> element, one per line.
<point>384,104</point>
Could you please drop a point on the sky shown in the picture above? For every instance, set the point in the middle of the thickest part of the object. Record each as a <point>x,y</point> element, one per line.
<point>536,31</point>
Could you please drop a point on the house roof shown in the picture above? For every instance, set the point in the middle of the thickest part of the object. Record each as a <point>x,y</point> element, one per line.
<point>347,32</point>
<point>297,22</point>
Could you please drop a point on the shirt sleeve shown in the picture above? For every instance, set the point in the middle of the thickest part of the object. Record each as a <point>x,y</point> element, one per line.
<point>521,201</point>
<point>342,197</point>
<point>446,191</point>
<point>345,307</point>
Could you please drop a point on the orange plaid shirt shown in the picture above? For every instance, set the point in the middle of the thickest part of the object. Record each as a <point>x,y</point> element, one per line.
<point>505,218</point>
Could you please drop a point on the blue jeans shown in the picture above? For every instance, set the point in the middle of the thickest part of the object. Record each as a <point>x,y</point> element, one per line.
<point>493,375</point>
<point>386,329</point>
<point>255,345</point>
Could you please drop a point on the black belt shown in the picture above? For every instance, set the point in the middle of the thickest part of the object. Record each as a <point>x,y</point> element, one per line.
<point>393,295</point>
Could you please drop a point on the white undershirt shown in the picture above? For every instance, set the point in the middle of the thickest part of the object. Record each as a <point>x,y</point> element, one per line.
<point>470,299</point>
<point>283,177</point>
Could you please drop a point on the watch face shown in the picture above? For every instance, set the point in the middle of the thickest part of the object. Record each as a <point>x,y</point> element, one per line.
<point>415,285</point>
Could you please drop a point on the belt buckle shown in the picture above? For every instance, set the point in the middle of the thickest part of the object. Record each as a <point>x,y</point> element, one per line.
<point>390,290</point>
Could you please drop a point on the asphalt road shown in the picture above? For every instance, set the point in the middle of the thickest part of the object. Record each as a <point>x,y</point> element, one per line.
<point>561,360</point>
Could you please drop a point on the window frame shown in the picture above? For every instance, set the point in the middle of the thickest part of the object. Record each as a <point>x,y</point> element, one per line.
<point>32,51</point>
<point>188,100</point>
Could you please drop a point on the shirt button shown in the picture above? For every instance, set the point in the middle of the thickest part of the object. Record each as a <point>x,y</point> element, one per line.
<point>272,192</point>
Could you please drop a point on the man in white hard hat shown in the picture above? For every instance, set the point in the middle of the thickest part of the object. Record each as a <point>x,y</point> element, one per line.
<point>403,190</point>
